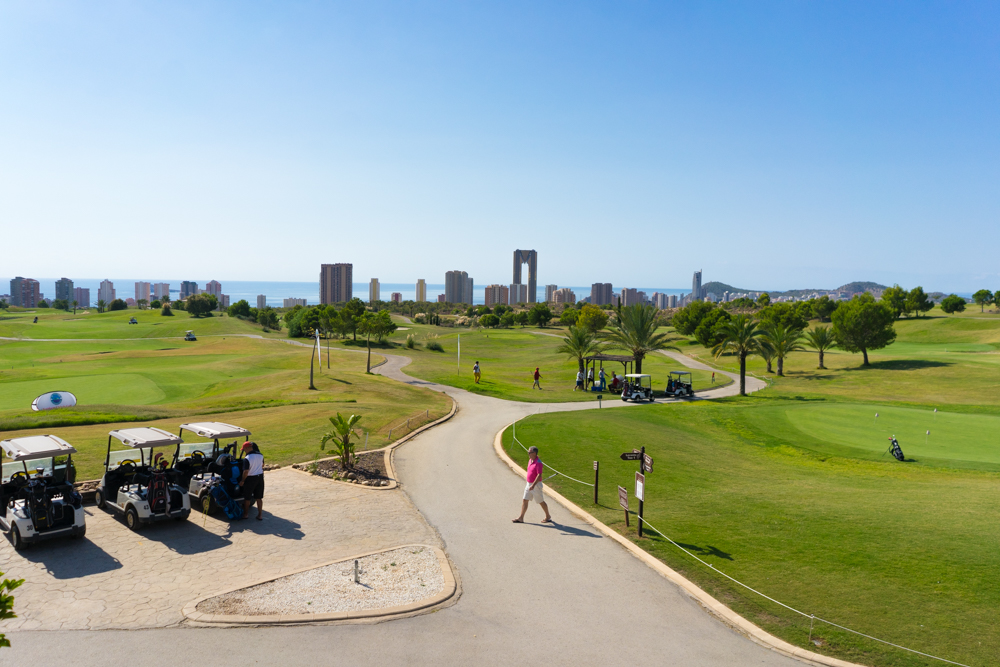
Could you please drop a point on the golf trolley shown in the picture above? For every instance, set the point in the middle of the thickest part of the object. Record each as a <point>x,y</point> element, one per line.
<point>679,385</point>
<point>145,491</point>
<point>638,387</point>
<point>37,498</point>
<point>208,469</point>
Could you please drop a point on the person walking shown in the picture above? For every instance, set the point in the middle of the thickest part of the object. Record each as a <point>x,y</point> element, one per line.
<point>602,378</point>
<point>590,378</point>
<point>533,489</point>
<point>579,381</point>
<point>538,376</point>
<point>253,480</point>
<point>713,377</point>
<point>475,372</point>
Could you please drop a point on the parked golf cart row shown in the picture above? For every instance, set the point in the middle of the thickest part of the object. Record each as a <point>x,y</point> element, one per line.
<point>38,501</point>
<point>639,387</point>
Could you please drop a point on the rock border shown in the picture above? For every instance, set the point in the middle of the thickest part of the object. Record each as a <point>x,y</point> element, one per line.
<point>449,591</point>
<point>388,449</point>
<point>719,610</point>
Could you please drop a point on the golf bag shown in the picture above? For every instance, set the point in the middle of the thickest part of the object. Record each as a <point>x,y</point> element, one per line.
<point>39,505</point>
<point>896,451</point>
<point>228,505</point>
<point>156,495</point>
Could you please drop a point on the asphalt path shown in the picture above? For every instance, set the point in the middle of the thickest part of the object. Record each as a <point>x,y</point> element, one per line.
<point>559,594</point>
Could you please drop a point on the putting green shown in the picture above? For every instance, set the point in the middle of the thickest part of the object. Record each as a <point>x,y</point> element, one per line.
<point>120,388</point>
<point>953,436</point>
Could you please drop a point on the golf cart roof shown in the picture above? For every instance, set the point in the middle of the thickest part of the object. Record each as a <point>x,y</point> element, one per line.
<point>148,436</point>
<point>36,447</point>
<point>680,373</point>
<point>215,430</point>
<point>637,375</point>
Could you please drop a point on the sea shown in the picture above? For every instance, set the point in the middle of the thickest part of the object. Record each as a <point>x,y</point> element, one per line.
<point>276,291</point>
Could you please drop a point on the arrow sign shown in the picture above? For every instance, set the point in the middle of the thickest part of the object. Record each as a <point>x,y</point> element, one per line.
<point>631,456</point>
<point>648,460</point>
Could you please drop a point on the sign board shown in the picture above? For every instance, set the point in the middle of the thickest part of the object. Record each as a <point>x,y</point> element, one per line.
<point>623,498</point>
<point>631,456</point>
<point>640,486</point>
<point>648,460</point>
<point>595,465</point>
<point>53,400</point>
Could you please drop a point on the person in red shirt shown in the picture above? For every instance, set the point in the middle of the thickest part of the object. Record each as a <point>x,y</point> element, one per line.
<point>533,489</point>
<point>538,376</point>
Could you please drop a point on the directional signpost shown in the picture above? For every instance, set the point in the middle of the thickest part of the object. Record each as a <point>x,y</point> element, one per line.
<point>645,464</point>
<point>596,472</point>
<point>623,501</point>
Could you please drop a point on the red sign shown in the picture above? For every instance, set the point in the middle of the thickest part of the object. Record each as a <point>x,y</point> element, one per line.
<point>623,498</point>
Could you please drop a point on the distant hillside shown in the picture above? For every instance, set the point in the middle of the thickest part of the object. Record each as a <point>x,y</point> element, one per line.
<point>858,287</point>
<point>718,288</point>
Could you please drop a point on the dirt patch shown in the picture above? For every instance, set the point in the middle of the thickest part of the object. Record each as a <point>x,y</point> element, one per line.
<point>369,470</point>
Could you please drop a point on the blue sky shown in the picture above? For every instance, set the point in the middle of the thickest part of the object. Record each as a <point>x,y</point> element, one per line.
<point>774,145</point>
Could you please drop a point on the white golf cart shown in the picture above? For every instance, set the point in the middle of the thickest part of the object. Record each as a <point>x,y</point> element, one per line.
<point>189,335</point>
<point>37,498</point>
<point>138,482</point>
<point>679,385</point>
<point>203,465</point>
<point>638,387</point>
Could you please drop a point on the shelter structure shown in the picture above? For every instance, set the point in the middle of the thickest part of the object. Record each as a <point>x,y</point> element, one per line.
<point>596,361</point>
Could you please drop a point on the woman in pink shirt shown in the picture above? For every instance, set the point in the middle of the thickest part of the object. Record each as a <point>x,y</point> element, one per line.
<point>533,489</point>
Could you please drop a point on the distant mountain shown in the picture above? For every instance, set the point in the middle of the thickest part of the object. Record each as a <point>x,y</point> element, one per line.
<point>859,287</point>
<point>718,288</point>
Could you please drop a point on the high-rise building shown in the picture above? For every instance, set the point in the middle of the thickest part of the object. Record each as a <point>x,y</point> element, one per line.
<point>64,289</point>
<point>106,292</point>
<point>496,295</point>
<point>696,291</point>
<point>629,296</point>
<point>660,300</point>
<point>549,289</point>
<point>601,293</point>
<point>291,303</point>
<point>564,295</point>
<point>672,301</point>
<point>529,257</point>
<point>223,301</point>
<point>518,293</point>
<point>261,302</point>
<point>373,291</point>
<point>15,291</point>
<point>397,297</point>
<point>82,296</point>
<point>336,283</point>
<point>421,291</point>
<point>142,291</point>
<point>161,291</point>
<point>214,287</point>
<point>457,287</point>
<point>29,295</point>
<point>441,298</point>
<point>188,288</point>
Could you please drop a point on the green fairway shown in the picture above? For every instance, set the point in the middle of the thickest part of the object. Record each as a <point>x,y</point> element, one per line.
<point>508,358</point>
<point>903,552</point>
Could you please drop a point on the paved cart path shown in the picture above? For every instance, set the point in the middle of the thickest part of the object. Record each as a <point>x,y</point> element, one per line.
<point>561,594</point>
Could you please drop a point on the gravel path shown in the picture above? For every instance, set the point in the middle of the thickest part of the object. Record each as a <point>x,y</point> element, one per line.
<point>387,579</point>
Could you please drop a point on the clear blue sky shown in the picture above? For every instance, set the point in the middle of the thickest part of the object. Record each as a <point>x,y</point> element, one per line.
<point>774,145</point>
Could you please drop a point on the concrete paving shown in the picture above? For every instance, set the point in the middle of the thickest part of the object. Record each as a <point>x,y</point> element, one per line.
<point>559,594</point>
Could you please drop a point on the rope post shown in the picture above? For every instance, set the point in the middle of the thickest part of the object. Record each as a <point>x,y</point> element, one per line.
<point>356,579</point>
<point>596,471</point>
<point>812,619</point>
<point>390,435</point>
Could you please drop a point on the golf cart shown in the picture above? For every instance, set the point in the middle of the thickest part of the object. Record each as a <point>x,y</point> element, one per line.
<point>679,385</point>
<point>37,498</point>
<point>189,335</point>
<point>638,387</point>
<point>144,490</point>
<point>205,465</point>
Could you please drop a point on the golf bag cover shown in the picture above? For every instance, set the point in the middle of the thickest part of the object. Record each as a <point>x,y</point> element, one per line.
<point>896,451</point>
<point>156,496</point>
<point>228,505</point>
<point>39,505</point>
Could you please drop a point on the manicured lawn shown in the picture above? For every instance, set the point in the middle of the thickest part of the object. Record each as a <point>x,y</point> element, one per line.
<point>904,552</point>
<point>508,358</point>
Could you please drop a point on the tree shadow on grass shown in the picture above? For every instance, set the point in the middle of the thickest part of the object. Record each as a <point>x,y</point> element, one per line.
<point>902,365</point>
<point>708,550</point>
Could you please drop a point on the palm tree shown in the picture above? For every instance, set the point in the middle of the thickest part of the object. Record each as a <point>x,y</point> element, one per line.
<point>635,331</point>
<point>821,339</point>
<point>100,305</point>
<point>74,306</point>
<point>783,340</point>
<point>580,343</point>
<point>740,336</point>
<point>766,352</point>
<point>342,436</point>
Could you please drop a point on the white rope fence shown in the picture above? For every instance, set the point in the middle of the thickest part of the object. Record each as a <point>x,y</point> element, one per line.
<point>811,617</point>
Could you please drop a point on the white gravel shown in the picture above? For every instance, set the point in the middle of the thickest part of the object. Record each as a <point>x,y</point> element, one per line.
<point>388,579</point>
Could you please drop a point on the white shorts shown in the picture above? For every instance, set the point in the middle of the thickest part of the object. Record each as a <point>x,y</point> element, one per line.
<point>534,494</point>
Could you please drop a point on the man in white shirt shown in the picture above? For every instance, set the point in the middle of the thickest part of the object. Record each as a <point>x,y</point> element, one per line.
<point>253,480</point>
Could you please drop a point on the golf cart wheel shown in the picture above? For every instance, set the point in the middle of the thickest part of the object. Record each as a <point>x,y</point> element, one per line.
<point>132,519</point>
<point>80,534</point>
<point>624,398</point>
<point>16,540</point>
<point>99,499</point>
<point>207,504</point>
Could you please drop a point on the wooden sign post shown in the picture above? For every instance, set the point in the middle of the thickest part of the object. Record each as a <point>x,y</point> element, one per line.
<point>596,472</point>
<point>623,501</point>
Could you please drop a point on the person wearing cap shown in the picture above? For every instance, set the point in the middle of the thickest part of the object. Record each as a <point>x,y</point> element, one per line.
<point>533,489</point>
<point>253,480</point>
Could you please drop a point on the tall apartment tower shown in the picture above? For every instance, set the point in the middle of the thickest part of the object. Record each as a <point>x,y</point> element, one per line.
<point>457,287</point>
<point>188,288</point>
<point>24,292</point>
<point>15,291</point>
<point>161,291</point>
<point>214,287</point>
<point>696,292</point>
<point>630,296</point>
<point>261,302</point>
<point>496,295</point>
<point>106,292</point>
<point>564,295</point>
<point>82,296</point>
<point>601,294</point>
<point>64,289</point>
<point>529,257</point>
<point>518,293</point>
<point>336,283</point>
<point>373,291</point>
<point>549,290</point>
<point>421,291</point>
<point>141,291</point>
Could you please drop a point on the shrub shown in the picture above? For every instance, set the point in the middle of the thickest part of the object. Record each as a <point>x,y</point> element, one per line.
<point>435,346</point>
<point>411,342</point>
<point>166,311</point>
<point>156,304</point>
<point>117,304</point>
<point>953,304</point>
